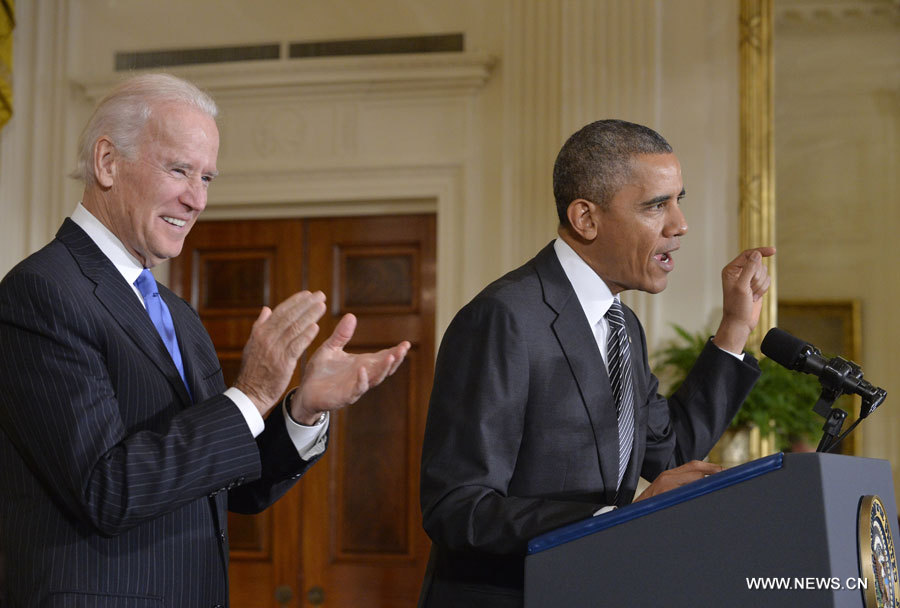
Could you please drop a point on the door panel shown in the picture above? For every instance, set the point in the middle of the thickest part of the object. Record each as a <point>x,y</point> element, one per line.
<point>350,533</point>
<point>228,271</point>
<point>382,271</point>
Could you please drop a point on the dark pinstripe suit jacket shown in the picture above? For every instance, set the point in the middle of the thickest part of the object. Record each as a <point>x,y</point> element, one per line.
<point>113,485</point>
<point>522,434</point>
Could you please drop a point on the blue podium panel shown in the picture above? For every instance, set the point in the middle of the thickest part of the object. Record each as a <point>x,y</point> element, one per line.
<point>769,533</point>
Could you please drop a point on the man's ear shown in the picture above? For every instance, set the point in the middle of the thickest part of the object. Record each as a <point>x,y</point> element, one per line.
<point>106,157</point>
<point>583,219</point>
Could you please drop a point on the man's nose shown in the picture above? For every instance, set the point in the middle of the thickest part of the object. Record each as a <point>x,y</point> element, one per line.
<point>676,224</point>
<point>194,195</point>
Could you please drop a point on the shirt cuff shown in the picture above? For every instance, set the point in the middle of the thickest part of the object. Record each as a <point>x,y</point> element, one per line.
<point>251,414</point>
<point>308,440</point>
<point>738,356</point>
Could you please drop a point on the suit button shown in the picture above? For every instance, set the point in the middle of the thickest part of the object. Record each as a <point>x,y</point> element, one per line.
<point>222,535</point>
<point>218,606</point>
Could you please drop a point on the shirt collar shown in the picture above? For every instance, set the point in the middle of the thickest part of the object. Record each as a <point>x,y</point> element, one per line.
<point>127,265</point>
<point>592,292</point>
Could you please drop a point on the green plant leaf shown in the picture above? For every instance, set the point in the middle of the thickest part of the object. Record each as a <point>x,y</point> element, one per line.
<point>781,400</point>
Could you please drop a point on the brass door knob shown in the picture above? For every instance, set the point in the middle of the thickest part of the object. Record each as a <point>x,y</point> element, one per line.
<point>284,594</point>
<point>316,595</point>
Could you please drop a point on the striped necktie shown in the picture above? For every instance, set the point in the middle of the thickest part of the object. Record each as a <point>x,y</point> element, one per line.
<point>161,318</point>
<point>619,365</point>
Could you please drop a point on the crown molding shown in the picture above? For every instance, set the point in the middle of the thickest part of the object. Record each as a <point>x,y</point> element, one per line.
<point>836,11</point>
<point>417,74</point>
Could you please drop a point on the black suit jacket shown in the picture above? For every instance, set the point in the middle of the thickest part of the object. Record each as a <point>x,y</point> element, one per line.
<point>522,434</point>
<point>113,485</point>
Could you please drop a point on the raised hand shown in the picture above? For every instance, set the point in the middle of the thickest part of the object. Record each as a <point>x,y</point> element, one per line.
<point>334,378</point>
<point>744,282</point>
<point>277,340</point>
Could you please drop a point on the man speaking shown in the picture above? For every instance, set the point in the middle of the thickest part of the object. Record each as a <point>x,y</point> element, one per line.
<point>544,410</point>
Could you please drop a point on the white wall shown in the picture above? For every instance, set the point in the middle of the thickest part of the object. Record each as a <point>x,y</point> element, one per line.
<point>559,64</point>
<point>837,129</point>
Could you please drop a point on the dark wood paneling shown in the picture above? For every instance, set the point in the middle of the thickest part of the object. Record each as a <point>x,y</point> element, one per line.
<point>228,271</point>
<point>352,526</point>
<point>229,281</point>
<point>250,535</point>
<point>375,471</point>
<point>378,280</point>
<point>368,488</point>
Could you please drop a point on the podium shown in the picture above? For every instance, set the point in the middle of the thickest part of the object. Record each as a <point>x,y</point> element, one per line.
<point>786,530</point>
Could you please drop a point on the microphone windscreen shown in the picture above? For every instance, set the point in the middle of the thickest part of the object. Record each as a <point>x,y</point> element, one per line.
<point>782,347</point>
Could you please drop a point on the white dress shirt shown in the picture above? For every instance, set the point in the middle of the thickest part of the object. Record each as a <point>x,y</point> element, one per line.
<point>309,440</point>
<point>595,298</point>
<point>592,292</point>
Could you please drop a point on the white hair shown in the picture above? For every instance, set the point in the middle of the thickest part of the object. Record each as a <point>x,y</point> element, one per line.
<point>122,114</point>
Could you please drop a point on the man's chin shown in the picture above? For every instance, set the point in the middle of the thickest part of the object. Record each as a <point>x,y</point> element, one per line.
<point>655,287</point>
<point>157,258</point>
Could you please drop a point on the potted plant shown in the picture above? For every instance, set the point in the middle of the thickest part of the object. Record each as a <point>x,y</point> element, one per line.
<point>778,410</point>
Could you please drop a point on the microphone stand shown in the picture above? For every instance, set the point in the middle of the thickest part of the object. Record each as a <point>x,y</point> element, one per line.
<point>834,419</point>
<point>833,378</point>
<point>869,402</point>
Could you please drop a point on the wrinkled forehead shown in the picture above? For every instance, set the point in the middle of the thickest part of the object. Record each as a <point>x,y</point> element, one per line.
<point>181,127</point>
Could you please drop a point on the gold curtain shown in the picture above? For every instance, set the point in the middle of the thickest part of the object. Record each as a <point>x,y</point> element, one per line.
<point>7,23</point>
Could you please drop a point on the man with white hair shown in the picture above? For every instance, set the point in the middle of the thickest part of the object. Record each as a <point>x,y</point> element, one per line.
<point>121,446</point>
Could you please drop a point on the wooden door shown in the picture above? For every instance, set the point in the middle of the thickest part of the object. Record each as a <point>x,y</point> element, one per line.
<point>350,533</point>
<point>370,549</point>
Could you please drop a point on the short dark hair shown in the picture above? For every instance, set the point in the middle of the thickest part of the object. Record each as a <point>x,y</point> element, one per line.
<point>594,162</point>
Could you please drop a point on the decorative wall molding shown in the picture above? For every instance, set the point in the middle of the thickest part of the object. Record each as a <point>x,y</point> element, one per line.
<point>845,12</point>
<point>426,74</point>
<point>567,64</point>
<point>757,161</point>
<point>33,145</point>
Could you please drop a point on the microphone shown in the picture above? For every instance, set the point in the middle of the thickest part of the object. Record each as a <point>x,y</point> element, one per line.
<point>837,375</point>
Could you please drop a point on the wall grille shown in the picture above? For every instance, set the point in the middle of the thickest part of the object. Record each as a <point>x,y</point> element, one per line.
<point>438,43</point>
<point>443,43</point>
<point>166,58</point>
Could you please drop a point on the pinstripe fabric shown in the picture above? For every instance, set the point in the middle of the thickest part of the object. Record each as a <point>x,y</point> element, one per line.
<point>113,486</point>
<point>621,383</point>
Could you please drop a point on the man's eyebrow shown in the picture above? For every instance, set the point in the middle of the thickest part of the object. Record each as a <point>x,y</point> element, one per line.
<point>189,167</point>
<point>662,198</point>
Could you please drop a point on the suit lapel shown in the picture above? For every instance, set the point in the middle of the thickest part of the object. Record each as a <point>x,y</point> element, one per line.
<point>120,301</point>
<point>577,341</point>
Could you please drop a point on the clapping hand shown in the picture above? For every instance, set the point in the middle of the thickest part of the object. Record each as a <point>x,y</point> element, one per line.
<point>334,379</point>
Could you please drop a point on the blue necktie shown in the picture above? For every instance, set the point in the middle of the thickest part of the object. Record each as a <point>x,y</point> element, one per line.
<point>161,318</point>
<point>619,358</point>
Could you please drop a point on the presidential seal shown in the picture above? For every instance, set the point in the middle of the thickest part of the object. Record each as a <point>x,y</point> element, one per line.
<point>877,561</point>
